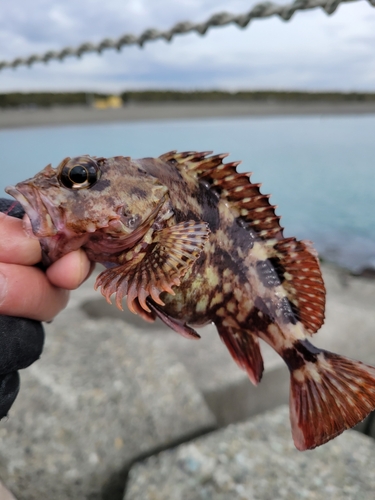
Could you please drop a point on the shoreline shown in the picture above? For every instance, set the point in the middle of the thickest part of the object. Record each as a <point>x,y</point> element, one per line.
<point>40,117</point>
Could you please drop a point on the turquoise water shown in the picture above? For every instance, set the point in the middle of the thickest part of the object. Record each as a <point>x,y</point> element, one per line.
<point>320,171</point>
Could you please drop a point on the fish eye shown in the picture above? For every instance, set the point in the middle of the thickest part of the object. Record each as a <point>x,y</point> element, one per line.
<point>79,175</point>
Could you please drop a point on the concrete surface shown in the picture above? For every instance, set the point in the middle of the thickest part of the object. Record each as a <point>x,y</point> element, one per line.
<point>102,396</point>
<point>256,460</point>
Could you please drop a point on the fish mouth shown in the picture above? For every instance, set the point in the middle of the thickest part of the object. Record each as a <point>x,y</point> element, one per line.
<point>43,221</point>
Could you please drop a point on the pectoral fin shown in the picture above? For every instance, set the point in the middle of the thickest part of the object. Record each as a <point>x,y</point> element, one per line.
<point>156,269</point>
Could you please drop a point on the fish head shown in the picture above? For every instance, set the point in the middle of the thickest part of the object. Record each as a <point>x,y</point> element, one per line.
<point>87,198</point>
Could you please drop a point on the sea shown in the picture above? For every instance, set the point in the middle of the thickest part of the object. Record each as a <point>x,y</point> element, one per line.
<point>320,171</point>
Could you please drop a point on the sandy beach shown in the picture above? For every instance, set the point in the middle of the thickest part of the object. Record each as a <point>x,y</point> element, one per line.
<point>14,118</point>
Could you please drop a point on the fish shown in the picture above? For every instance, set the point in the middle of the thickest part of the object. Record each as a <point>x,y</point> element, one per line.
<point>188,239</point>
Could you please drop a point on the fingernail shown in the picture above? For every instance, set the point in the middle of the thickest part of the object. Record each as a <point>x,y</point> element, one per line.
<point>3,287</point>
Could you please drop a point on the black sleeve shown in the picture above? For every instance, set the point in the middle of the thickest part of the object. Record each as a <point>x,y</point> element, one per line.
<point>21,339</point>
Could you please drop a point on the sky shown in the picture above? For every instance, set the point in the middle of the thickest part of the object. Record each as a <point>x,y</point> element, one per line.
<point>312,51</point>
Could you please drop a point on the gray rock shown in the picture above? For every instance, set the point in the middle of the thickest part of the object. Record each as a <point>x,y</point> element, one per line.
<point>103,395</point>
<point>350,315</point>
<point>256,460</point>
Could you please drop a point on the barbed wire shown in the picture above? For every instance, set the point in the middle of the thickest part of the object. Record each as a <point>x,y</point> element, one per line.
<point>259,11</point>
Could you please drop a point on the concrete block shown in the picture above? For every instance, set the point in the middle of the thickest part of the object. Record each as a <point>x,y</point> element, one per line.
<point>102,395</point>
<point>257,460</point>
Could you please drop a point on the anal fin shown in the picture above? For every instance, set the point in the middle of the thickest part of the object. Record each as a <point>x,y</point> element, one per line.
<point>244,349</point>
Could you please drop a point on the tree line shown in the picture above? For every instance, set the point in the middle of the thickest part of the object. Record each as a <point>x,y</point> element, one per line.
<point>47,99</point>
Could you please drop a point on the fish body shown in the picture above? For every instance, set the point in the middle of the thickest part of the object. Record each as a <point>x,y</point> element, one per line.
<point>186,238</point>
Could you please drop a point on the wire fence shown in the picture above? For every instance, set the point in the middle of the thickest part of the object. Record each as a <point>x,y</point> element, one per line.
<point>259,11</point>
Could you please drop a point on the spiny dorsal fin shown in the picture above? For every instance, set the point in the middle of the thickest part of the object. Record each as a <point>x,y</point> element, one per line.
<point>252,206</point>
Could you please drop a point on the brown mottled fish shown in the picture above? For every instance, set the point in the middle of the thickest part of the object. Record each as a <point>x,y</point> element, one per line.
<point>189,240</point>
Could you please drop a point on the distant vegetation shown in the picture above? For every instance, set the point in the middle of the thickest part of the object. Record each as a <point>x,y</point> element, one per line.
<point>46,99</point>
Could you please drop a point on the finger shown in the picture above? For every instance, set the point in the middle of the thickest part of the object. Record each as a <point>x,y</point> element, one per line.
<point>16,247</point>
<point>25,291</point>
<point>70,271</point>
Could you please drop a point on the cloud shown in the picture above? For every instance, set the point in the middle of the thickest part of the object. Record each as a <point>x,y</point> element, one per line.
<point>312,51</point>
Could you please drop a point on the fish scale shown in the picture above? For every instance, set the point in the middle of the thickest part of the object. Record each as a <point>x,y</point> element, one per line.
<point>188,239</point>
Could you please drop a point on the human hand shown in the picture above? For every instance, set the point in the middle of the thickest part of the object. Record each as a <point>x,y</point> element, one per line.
<point>27,291</point>
<point>27,296</point>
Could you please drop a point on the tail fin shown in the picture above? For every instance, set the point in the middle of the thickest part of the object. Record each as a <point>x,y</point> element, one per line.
<point>329,394</point>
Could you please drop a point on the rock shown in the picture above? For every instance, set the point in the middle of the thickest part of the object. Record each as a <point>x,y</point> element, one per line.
<point>257,460</point>
<point>350,316</point>
<point>102,395</point>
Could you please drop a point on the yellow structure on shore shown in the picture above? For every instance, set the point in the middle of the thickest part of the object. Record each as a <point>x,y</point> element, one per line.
<point>112,101</point>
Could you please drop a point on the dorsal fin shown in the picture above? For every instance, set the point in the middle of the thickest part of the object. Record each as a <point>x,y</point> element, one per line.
<point>252,206</point>
<point>296,262</point>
